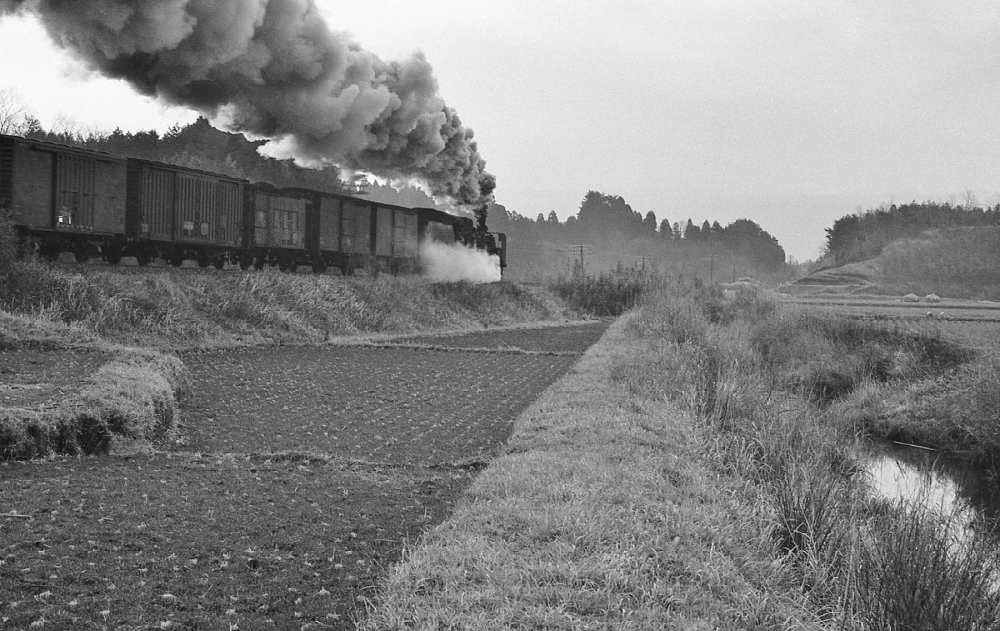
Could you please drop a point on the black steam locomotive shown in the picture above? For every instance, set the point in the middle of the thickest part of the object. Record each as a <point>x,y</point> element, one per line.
<point>93,204</point>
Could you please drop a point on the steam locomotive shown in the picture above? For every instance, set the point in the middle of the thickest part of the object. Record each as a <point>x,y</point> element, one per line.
<point>94,204</point>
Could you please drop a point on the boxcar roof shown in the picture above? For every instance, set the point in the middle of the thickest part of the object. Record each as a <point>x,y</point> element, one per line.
<point>55,146</point>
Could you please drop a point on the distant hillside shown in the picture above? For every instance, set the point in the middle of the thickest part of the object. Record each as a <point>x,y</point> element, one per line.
<point>961,262</point>
<point>862,236</point>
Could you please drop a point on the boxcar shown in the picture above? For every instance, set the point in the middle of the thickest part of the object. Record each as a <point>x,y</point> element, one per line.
<point>178,213</point>
<point>340,231</point>
<point>279,221</point>
<point>356,233</point>
<point>63,199</point>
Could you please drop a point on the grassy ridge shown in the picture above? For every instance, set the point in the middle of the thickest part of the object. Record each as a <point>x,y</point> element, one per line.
<point>605,514</point>
<point>167,308</point>
<point>694,473</point>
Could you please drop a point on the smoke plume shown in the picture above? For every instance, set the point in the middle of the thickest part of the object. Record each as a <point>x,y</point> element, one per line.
<point>451,262</point>
<point>273,69</point>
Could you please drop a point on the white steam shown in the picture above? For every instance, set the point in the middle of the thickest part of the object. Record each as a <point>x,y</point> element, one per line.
<point>452,262</point>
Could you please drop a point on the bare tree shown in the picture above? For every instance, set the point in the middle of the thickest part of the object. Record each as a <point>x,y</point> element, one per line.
<point>969,200</point>
<point>13,112</point>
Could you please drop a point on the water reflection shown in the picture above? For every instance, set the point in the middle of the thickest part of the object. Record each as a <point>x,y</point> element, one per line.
<point>896,479</point>
<point>933,480</point>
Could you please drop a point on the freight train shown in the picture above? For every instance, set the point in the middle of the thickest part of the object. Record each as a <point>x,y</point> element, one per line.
<point>94,204</point>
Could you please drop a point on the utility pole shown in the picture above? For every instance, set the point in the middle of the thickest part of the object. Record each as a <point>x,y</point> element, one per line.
<point>573,250</point>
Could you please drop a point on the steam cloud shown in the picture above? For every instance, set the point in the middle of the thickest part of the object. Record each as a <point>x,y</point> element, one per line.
<point>274,69</point>
<point>451,262</point>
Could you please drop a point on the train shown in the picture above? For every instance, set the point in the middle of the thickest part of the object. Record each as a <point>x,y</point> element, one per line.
<point>97,205</point>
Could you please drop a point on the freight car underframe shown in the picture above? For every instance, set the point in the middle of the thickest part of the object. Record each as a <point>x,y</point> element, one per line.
<point>49,244</point>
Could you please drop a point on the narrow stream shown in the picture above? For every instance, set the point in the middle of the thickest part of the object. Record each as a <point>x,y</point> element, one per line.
<point>935,481</point>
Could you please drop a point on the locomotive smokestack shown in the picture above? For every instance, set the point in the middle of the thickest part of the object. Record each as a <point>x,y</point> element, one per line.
<point>273,69</point>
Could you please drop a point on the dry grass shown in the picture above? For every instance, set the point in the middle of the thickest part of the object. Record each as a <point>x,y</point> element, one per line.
<point>175,309</point>
<point>130,400</point>
<point>606,513</point>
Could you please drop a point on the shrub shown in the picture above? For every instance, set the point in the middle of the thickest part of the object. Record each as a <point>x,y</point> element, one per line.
<point>915,569</point>
<point>610,293</point>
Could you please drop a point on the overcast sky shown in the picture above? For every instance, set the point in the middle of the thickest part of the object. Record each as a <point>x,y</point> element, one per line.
<point>789,113</point>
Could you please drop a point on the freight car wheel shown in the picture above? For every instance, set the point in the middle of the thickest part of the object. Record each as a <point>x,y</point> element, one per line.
<point>113,255</point>
<point>259,263</point>
<point>319,265</point>
<point>176,260</point>
<point>203,262</point>
<point>219,263</point>
<point>245,262</point>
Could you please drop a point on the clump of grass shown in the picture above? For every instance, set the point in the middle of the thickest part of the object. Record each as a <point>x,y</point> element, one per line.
<point>913,570</point>
<point>134,397</point>
<point>609,293</point>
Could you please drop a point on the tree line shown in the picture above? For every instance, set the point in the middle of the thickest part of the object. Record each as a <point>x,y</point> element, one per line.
<point>864,235</point>
<point>603,217</point>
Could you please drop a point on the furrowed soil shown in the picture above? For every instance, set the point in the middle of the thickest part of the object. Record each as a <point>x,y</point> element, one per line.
<point>301,475</point>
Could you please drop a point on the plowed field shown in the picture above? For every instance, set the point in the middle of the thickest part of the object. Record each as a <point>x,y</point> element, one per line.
<point>302,475</point>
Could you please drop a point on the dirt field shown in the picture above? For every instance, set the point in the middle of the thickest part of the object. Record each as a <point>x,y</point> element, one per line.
<point>974,324</point>
<point>295,489</point>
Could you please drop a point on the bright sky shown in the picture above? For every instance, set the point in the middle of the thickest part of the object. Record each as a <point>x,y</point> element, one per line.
<point>789,113</point>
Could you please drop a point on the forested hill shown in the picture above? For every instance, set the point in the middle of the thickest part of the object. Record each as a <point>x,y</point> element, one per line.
<point>864,236</point>
<point>606,231</point>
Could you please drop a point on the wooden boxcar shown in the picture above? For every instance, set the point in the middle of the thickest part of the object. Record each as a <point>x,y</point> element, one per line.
<point>178,213</point>
<point>63,199</point>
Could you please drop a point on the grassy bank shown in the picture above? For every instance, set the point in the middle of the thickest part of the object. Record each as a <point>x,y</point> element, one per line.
<point>606,513</point>
<point>50,304</point>
<point>693,472</point>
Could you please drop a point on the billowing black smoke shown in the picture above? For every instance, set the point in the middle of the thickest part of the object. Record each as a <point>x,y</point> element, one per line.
<point>274,69</point>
